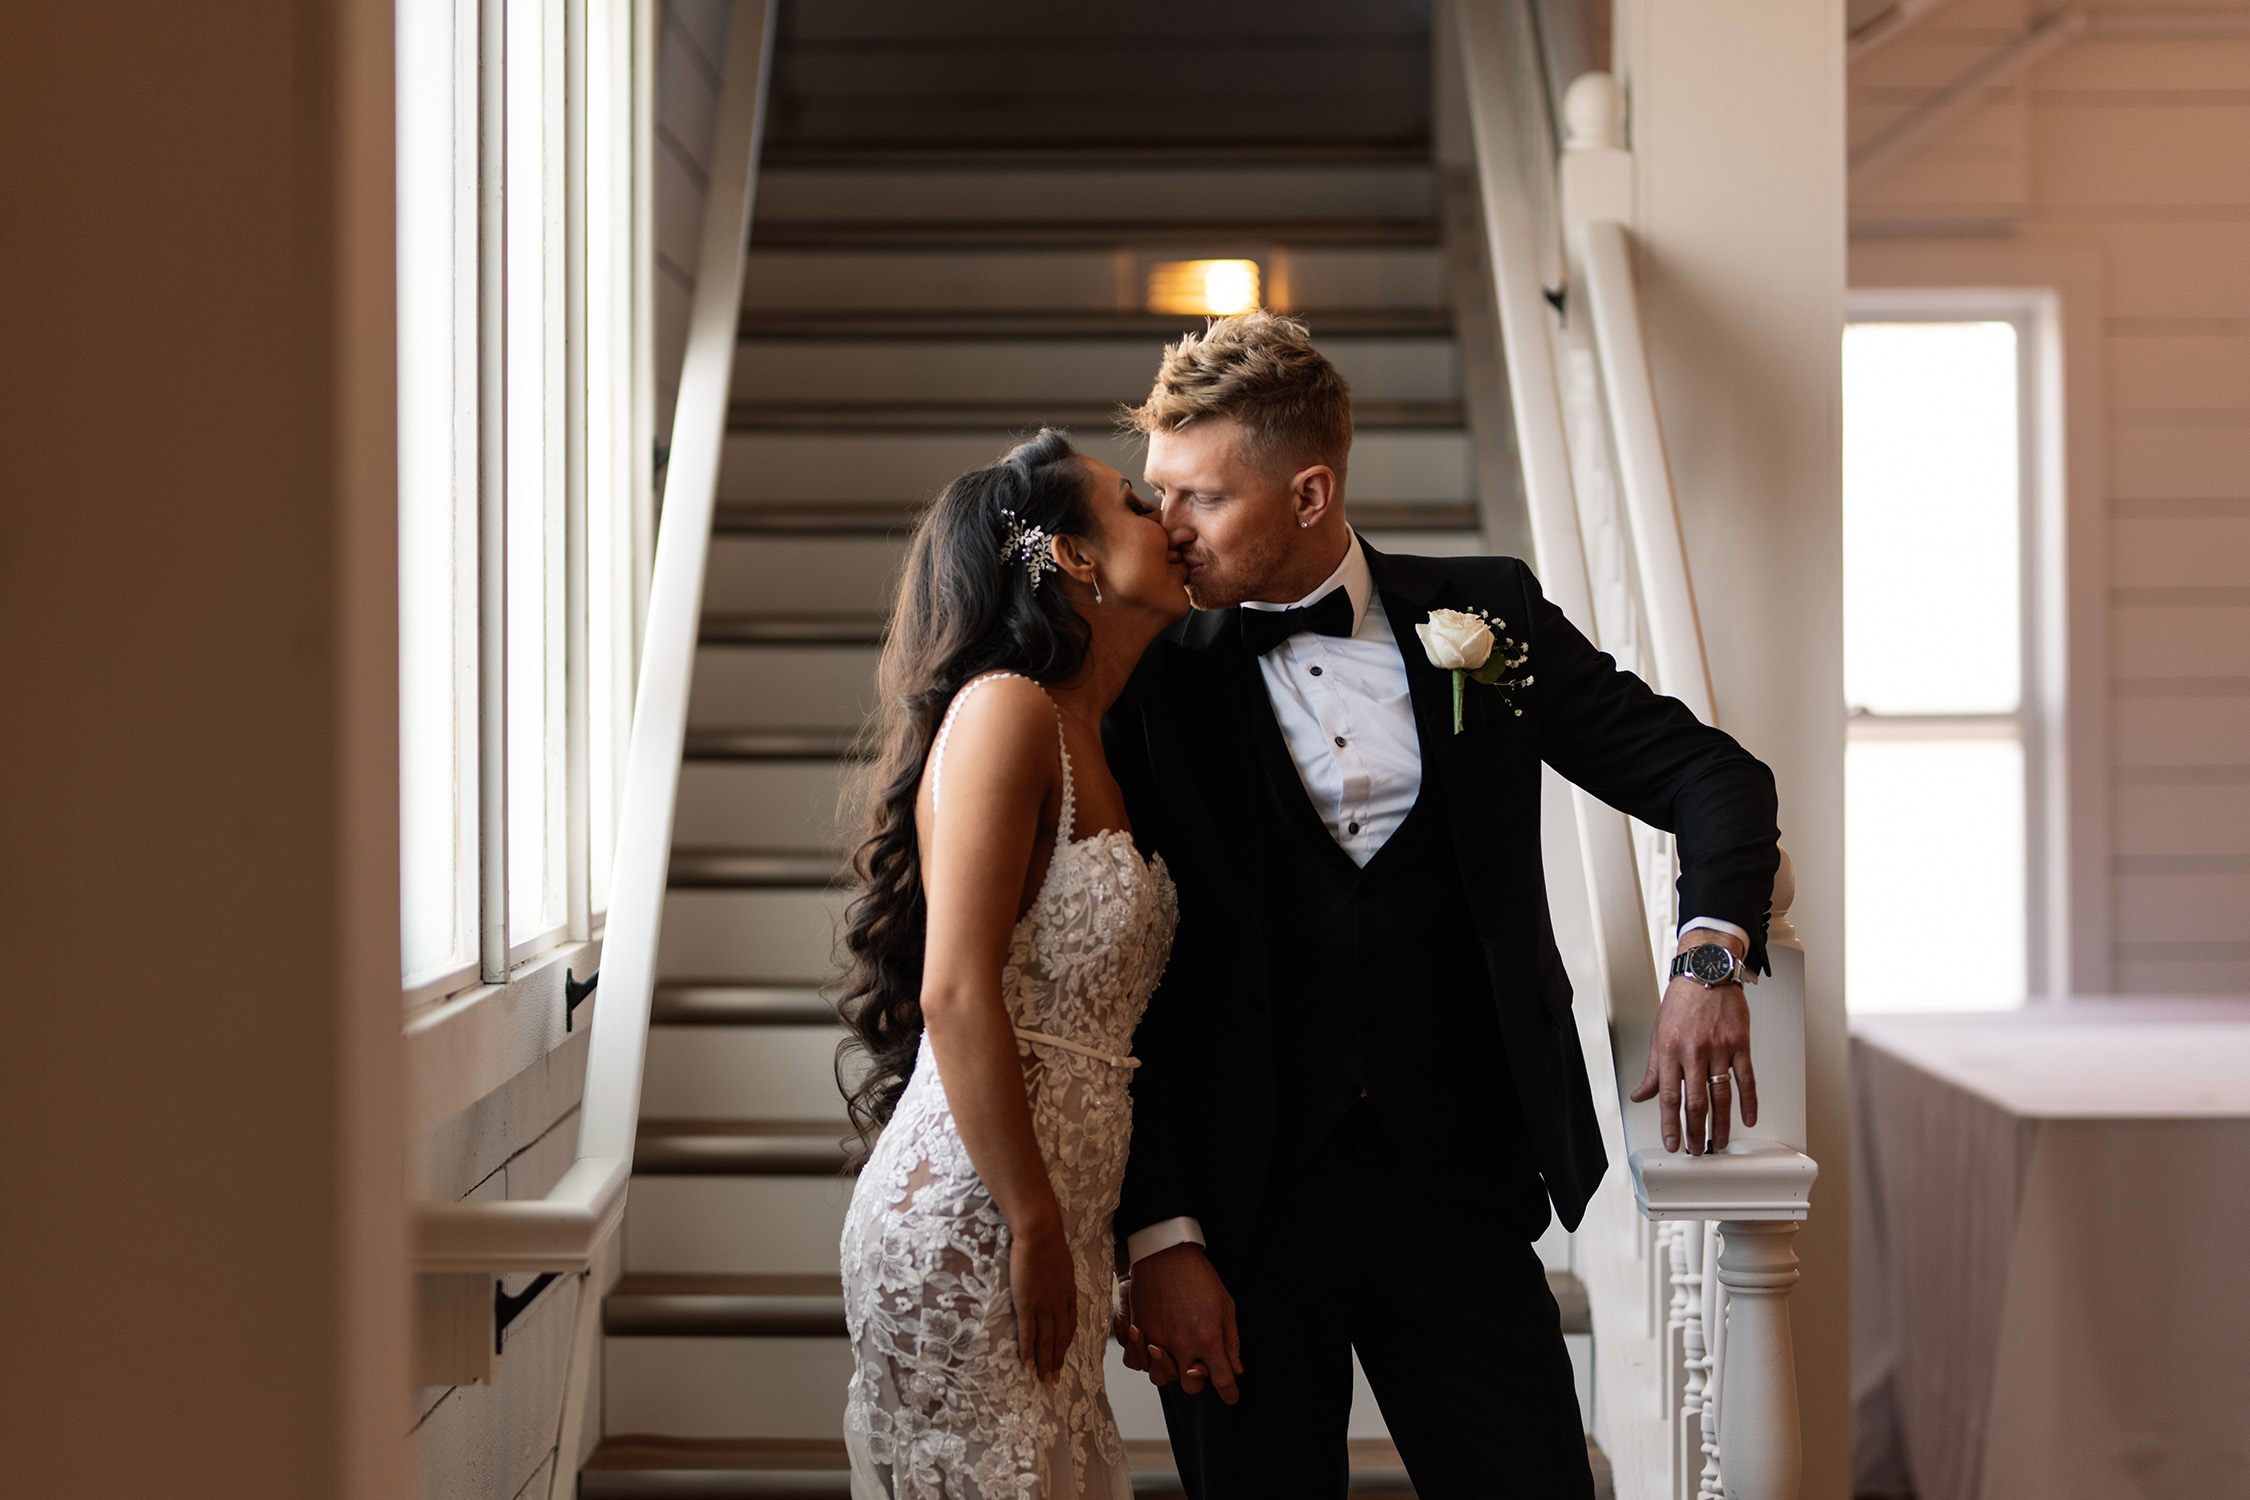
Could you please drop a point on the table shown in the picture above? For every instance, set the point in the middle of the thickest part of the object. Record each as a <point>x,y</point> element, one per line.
<point>2051,1252</point>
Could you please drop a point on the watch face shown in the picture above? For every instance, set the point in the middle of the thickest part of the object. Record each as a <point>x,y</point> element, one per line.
<point>1710,963</point>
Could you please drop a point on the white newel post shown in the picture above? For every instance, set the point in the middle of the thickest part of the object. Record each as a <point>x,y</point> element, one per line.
<point>1758,1426</point>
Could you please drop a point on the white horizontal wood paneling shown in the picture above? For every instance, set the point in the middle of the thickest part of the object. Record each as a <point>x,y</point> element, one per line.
<point>2181,370</point>
<point>2179,463</point>
<point>777,935</point>
<point>2180,976</point>
<point>2187,641</point>
<point>743,1226</point>
<point>2191,819</point>
<point>2185,907</point>
<point>2182,552</point>
<point>2172,266</point>
<point>2183,731</point>
<point>742,1073</point>
<point>2176,154</point>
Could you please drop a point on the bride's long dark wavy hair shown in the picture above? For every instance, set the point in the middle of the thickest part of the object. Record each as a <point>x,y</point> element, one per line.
<point>962,610</point>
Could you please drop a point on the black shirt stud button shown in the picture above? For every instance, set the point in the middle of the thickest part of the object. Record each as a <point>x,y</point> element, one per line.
<point>1316,671</point>
<point>1351,828</point>
<point>1339,742</point>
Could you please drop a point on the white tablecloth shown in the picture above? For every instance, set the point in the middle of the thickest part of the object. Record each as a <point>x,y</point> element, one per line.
<point>2051,1253</point>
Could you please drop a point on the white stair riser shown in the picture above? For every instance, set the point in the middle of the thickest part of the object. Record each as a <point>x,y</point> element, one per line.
<point>793,574</point>
<point>758,804</point>
<point>722,1388</point>
<point>1169,192</point>
<point>742,1073</point>
<point>776,687</point>
<point>746,935</point>
<point>795,1387</point>
<point>737,1226</point>
<point>1037,371</point>
<point>1090,280</point>
<point>1385,465</point>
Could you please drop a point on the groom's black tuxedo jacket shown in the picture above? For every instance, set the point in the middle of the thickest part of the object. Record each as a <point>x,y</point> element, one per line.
<point>1191,742</point>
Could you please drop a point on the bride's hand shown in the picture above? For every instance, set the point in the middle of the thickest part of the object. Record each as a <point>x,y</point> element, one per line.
<point>1045,1284</point>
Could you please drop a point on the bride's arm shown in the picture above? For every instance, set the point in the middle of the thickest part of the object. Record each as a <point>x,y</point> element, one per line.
<point>1001,771</point>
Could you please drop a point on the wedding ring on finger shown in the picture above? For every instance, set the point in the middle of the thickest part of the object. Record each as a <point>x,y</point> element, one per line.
<point>1719,1079</point>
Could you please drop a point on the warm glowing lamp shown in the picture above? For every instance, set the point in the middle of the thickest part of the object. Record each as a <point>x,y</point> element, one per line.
<point>1203,286</point>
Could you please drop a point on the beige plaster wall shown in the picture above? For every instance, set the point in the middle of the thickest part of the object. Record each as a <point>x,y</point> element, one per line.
<point>2117,171</point>
<point>202,1283</point>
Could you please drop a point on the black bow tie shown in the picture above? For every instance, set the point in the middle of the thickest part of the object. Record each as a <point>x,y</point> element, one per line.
<point>1264,629</point>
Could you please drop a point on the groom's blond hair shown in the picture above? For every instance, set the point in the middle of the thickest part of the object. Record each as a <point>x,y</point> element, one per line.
<point>1261,369</point>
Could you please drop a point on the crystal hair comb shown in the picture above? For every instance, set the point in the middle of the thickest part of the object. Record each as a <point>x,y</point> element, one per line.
<point>1028,545</point>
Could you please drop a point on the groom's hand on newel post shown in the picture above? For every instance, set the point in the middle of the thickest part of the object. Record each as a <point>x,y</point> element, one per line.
<point>1185,1322</point>
<point>1700,1055</point>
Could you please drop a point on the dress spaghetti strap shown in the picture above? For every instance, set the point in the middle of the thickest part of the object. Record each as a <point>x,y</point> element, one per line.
<point>1066,821</point>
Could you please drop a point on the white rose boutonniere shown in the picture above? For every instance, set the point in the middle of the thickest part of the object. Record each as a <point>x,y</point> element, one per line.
<point>1467,644</point>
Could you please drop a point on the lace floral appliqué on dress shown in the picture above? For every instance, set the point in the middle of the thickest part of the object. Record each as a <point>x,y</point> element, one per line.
<point>940,1404</point>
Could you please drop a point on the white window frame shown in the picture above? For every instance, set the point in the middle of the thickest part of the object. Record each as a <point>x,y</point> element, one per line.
<point>593,552</point>
<point>2039,722</point>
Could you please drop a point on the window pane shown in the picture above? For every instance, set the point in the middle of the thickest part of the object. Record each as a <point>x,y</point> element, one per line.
<point>1931,518</point>
<point>1934,874</point>
<point>432,934</point>
<point>535,478</point>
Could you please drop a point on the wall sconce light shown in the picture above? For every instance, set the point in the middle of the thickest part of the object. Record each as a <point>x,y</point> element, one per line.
<point>1203,286</point>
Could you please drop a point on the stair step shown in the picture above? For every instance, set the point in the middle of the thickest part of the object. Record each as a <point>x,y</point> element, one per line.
<point>746,628</point>
<point>740,1148</point>
<point>769,744</point>
<point>983,416</point>
<point>634,1466</point>
<point>1003,234</point>
<point>1031,323</point>
<point>754,869</point>
<point>662,1306</point>
<point>683,1002</point>
<point>1570,1296</point>
<point>884,517</point>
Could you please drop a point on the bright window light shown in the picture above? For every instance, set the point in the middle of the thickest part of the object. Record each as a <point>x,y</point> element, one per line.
<point>1934,874</point>
<point>1934,771</point>
<point>1203,286</point>
<point>1932,599</point>
<point>433,670</point>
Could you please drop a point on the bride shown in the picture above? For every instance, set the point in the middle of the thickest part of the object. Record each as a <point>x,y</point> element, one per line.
<point>1007,938</point>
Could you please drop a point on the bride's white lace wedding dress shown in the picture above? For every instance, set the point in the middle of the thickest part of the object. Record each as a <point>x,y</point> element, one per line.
<point>940,1405</point>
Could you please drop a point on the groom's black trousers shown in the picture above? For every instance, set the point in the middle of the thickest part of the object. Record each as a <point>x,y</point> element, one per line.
<point>1449,1310</point>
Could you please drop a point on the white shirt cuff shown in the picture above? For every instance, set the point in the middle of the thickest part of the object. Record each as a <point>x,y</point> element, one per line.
<point>1713,924</point>
<point>1143,1243</point>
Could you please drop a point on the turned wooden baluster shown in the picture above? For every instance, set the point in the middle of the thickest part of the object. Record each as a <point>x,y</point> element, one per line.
<point>1711,1484</point>
<point>1695,1352</point>
<point>1758,1430</point>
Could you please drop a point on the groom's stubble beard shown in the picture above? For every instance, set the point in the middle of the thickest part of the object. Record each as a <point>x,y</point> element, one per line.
<point>1246,571</point>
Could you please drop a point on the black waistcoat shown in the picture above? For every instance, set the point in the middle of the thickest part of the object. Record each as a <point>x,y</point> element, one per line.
<point>1382,992</point>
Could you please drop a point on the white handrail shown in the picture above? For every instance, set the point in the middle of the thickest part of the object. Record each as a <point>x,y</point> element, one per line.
<point>1739,1382</point>
<point>562,1231</point>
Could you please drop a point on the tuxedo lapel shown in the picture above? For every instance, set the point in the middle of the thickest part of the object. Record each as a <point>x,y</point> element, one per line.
<point>1461,764</point>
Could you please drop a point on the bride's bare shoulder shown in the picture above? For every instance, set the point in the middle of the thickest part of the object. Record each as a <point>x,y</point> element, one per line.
<point>1000,743</point>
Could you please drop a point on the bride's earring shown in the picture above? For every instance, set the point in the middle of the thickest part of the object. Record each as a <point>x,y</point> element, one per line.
<point>1097,588</point>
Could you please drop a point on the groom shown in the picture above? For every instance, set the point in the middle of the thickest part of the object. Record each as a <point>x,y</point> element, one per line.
<point>1361,1083</point>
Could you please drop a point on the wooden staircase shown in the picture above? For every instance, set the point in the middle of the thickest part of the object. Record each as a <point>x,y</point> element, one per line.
<point>907,313</point>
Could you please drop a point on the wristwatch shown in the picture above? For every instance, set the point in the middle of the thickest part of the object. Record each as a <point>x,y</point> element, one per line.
<point>1710,965</point>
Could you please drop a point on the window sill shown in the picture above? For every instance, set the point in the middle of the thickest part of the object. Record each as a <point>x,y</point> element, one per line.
<point>462,1047</point>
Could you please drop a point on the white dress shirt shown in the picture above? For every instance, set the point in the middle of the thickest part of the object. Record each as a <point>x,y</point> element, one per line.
<point>1347,718</point>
